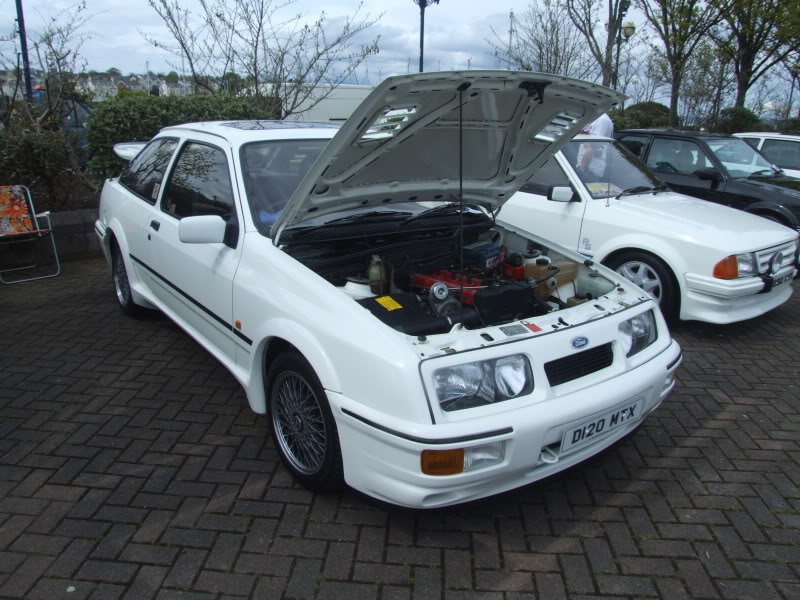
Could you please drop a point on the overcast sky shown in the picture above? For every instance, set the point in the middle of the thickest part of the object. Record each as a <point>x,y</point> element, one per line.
<point>455,31</point>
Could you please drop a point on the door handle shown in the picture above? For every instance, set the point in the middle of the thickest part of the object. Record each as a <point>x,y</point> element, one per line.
<point>155,225</point>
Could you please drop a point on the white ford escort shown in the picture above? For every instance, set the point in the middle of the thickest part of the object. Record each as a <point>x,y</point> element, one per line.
<point>698,259</point>
<point>355,282</point>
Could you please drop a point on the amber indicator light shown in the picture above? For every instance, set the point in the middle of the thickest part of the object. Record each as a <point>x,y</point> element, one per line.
<point>727,268</point>
<point>237,324</point>
<point>442,462</point>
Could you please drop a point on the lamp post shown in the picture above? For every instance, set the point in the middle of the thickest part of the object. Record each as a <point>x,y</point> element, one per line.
<point>627,30</point>
<point>23,43</point>
<point>423,4</point>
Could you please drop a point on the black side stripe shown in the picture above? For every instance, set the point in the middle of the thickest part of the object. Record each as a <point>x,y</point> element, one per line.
<point>225,325</point>
<point>419,440</point>
<point>675,362</point>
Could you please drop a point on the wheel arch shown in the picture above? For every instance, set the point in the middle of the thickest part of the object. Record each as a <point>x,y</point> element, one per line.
<point>664,256</point>
<point>287,337</point>
<point>785,216</point>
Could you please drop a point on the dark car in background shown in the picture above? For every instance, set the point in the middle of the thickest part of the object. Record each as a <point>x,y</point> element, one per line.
<point>720,168</point>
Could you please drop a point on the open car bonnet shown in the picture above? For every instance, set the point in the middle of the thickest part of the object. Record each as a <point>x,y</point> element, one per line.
<point>402,143</point>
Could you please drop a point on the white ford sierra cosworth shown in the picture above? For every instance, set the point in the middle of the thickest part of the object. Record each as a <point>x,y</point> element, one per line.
<point>356,284</point>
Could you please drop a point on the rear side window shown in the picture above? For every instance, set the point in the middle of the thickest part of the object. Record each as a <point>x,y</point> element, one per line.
<point>144,174</point>
<point>637,144</point>
<point>550,174</point>
<point>784,153</point>
<point>677,156</point>
<point>199,184</point>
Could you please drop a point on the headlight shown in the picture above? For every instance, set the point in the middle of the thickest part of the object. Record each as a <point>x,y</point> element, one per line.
<point>483,382</point>
<point>638,333</point>
<point>736,265</point>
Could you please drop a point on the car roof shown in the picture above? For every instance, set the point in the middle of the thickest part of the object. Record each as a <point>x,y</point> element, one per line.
<point>244,131</point>
<point>678,133</point>
<point>772,134</point>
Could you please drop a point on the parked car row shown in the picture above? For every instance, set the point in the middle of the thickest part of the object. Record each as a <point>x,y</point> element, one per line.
<point>411,326</point>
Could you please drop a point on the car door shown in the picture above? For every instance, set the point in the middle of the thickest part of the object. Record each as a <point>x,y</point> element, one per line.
<point>141,181</point>
<point>784,153</point>
<point>682,163</point>
<point>196,280</point>
<point>532,211</point>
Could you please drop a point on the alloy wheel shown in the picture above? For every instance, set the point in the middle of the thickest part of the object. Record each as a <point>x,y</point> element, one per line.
<point>643,275</point>
<point>298,420</point>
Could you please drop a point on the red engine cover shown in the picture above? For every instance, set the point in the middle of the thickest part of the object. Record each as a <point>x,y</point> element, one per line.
<point>453,281</point>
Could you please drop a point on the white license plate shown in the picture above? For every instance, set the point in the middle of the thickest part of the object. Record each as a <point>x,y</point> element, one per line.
<point>779,280</point>
<point>595,428</point>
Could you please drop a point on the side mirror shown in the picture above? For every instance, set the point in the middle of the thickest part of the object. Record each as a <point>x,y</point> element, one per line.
<point>708,175</point>
<point>561,194</point>
<point>205,229</point>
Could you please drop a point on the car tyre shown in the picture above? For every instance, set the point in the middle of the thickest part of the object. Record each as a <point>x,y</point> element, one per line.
<point>303,426</point>
<point>122,286</point>
<point>652,275</point>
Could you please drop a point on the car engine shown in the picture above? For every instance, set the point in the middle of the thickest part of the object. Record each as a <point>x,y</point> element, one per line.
<point>416,286</point>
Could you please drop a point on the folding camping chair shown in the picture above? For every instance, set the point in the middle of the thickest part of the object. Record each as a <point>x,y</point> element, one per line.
<point>19,225</point>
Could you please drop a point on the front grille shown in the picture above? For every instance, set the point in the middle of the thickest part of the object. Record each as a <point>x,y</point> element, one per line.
<point>764,256</point>
<point>578,365</point>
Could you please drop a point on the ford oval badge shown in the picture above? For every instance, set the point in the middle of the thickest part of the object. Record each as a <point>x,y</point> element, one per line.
<point>579,342</point>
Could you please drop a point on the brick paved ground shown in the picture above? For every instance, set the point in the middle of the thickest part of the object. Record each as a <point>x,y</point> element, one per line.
<point>131,467</point>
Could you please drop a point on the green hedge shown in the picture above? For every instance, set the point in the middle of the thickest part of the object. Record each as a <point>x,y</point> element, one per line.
<point>40,161</point>
<point>137,118</point>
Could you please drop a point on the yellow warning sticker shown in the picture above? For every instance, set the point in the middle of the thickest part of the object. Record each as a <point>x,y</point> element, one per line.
<point>388,303</point>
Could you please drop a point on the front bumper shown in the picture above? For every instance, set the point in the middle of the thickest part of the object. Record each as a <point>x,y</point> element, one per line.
<point>724,301</point>
<point>382,459</point>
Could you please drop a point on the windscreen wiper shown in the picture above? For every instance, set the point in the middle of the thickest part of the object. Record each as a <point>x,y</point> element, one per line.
<point>367,216</point>
<point>660,188</point>
<point>638,189</point>
<point>436,210</point>
<point>363,217</point>
<point>762,172</point>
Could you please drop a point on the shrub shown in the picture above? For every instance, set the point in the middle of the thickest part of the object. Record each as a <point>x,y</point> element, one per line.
<point>792,126</point>
<point>129,118</point>
<point>643,115</point>
<point>736,119</point>
<point>40,161</point>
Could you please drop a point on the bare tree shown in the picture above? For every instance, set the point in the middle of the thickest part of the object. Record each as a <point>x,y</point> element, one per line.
<point>586,16</point>
<point>681,25</point>
<point>289,65</point>
<point>708,78</point>
<point>760,34</point>
<point>544,40</point>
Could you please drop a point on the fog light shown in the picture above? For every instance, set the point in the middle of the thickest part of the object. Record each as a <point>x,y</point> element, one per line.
<point>442,462</point>
<point>479,457</point>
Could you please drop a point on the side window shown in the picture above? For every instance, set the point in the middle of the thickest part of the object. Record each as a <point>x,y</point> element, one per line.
<point>637,144</point>
<point>784,153</point>
<point>753,142</point>
<point>550,174</point>
<point>144,174</point>
<point>199,184</point>
<point>677,156</point>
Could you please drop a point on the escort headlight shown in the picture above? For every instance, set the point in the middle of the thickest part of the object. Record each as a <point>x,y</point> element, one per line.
<point>638,333</point>
<point>483,382</point>
<point>736,265</point>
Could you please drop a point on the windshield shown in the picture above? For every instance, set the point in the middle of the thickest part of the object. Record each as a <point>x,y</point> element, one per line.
<point>606,169</point>
<point>272,171</point>
<point>739,158</point>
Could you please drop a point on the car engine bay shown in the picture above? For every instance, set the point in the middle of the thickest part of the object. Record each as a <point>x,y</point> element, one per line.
<point>413,282</point>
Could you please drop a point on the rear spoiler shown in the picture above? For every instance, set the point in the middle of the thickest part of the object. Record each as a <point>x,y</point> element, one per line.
<point>129,150</point>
